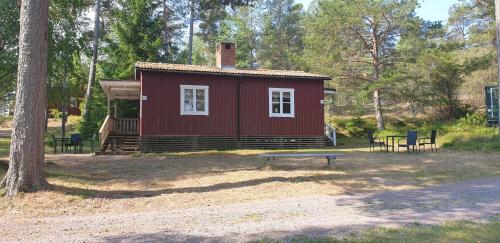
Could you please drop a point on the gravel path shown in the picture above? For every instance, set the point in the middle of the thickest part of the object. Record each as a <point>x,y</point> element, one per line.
<point>279,219</point>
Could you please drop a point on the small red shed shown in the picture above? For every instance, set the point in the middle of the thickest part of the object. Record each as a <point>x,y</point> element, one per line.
<point>190,107</point>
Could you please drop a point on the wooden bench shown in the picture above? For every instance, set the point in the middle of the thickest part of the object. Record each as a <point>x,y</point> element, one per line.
<point>329,157</point>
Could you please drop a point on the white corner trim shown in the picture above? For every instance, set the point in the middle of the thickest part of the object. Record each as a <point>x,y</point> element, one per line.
<point>194,112</point>
<point>292,102</point>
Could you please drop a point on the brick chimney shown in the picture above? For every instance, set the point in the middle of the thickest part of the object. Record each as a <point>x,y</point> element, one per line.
<point>226,55</point>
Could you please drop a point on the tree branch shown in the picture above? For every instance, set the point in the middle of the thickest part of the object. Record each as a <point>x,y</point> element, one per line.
<point>365,43</point>
<point>355,77</point>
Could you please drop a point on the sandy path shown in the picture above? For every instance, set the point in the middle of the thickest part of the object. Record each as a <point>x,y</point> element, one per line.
<point>314,216</point>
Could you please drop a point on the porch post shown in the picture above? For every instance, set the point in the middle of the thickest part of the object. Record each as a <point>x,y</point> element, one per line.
<point>115,115</point>
<point>109,102</point>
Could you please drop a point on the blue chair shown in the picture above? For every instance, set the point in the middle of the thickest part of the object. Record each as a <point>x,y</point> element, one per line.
<point>411,141</point>
<point>76,142</point>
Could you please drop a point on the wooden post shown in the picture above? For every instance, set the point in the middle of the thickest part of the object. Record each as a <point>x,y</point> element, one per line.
<point>109,103</point>
<point>115,113</point>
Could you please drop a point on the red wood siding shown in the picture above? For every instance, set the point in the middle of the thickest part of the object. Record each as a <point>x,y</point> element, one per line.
<point>308,120</point>
<point>161,110</point>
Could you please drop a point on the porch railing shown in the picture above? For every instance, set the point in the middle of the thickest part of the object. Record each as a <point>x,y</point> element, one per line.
<point>126,125</point>
<point>106,128</point>
<point>331,133</point>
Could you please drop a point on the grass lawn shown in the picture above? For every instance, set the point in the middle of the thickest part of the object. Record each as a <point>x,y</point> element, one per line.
<point>463,231</point>
<point>87,184</point>
<point>4,147</point>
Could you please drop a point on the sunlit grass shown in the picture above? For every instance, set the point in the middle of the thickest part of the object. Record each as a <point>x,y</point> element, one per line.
<point>461,231</point>
<point>4,147</point>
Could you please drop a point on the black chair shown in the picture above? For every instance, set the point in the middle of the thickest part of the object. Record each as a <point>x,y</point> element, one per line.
<point>54,140</point>
<point>431,141</point>
<point>411,141</point>
<point>374,141</point>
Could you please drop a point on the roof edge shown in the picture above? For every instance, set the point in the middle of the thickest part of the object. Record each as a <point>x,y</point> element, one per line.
<point>234,74</point>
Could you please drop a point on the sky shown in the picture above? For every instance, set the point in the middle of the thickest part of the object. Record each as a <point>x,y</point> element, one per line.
<point>433,10</point>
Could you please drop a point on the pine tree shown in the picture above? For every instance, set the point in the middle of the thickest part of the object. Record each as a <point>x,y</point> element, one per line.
<point>281,39</point>
<point>27,151</point>
<point>355,41</point>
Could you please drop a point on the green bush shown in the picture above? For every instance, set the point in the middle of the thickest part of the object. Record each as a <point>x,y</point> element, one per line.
<point>55,113</point>
<point>358,127</point>
<point>471,121</point>
<point>475,139</point>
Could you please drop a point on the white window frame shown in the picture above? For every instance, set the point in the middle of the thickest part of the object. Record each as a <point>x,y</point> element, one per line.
<point>292,102</point>
<point>73,102</point>
<point>194,112</point>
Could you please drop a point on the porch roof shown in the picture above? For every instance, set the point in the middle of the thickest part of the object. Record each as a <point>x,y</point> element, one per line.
<point>122,89</point>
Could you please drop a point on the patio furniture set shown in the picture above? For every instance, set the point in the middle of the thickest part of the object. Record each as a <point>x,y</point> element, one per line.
<point>72,144</point>
<point>411,142</point>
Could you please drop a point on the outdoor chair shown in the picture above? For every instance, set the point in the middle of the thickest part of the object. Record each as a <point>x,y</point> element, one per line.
<point>374,141</point>
<point>411,141</point>
<point>428,140</point>
<point>54,140</point>
<point>75,142</point>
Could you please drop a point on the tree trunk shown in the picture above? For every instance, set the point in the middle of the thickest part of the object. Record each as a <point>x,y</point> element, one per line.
<point>378,109</point>
<point>166,38</point>
<point>27,150</point>
<point>376,76</point>
<point>497,17</point>
<point>191,25</point>
<point>95,47</point>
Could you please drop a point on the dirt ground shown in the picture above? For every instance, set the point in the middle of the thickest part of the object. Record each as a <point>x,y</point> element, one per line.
<point>86,184</point>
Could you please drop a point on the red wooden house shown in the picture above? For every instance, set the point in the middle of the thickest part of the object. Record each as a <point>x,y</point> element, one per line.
<point>191,107</point>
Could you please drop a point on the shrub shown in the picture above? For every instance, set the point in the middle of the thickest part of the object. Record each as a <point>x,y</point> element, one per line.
<point>471,121</point>
<point>357,127</point>
<point>55,113</point>
<point>476,139</point>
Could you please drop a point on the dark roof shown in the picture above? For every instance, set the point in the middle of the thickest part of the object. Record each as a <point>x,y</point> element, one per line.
<point>183,68</point>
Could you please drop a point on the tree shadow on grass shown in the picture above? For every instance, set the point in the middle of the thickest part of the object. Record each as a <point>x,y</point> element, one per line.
<point>309,234</point>
<point>317,178</point>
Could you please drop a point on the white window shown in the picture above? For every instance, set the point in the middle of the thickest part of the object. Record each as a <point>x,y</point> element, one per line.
<point>194,100</point>
<point>281,102</point>
<point>73,102</point>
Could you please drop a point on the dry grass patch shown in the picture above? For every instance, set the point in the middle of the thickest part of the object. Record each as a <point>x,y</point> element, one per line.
<point>87,184</point>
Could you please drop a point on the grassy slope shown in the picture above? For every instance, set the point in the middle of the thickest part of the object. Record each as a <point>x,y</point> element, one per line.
<point>450,135</point>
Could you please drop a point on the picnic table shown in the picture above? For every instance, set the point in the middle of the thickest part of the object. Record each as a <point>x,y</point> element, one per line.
<point>329,157</point>
<point>392,143</point>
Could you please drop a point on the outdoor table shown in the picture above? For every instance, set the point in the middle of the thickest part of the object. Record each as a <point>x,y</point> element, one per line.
<point>392,141</point>
<point>63,142</point>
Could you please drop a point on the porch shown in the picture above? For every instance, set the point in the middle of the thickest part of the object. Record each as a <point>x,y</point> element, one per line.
<point>120,131</point>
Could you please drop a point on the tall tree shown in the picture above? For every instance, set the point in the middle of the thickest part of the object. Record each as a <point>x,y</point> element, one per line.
<point>136,34</point>
<point>166,31</point>
<point>356,40</point>
<point>211,13</point>
<point>282,35</point>
<point>93,61</point>
<point>27,150</point>
<point>192,15</point>
<point>497,18</point>
<point>9,32</point>
<point>240,27</point>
